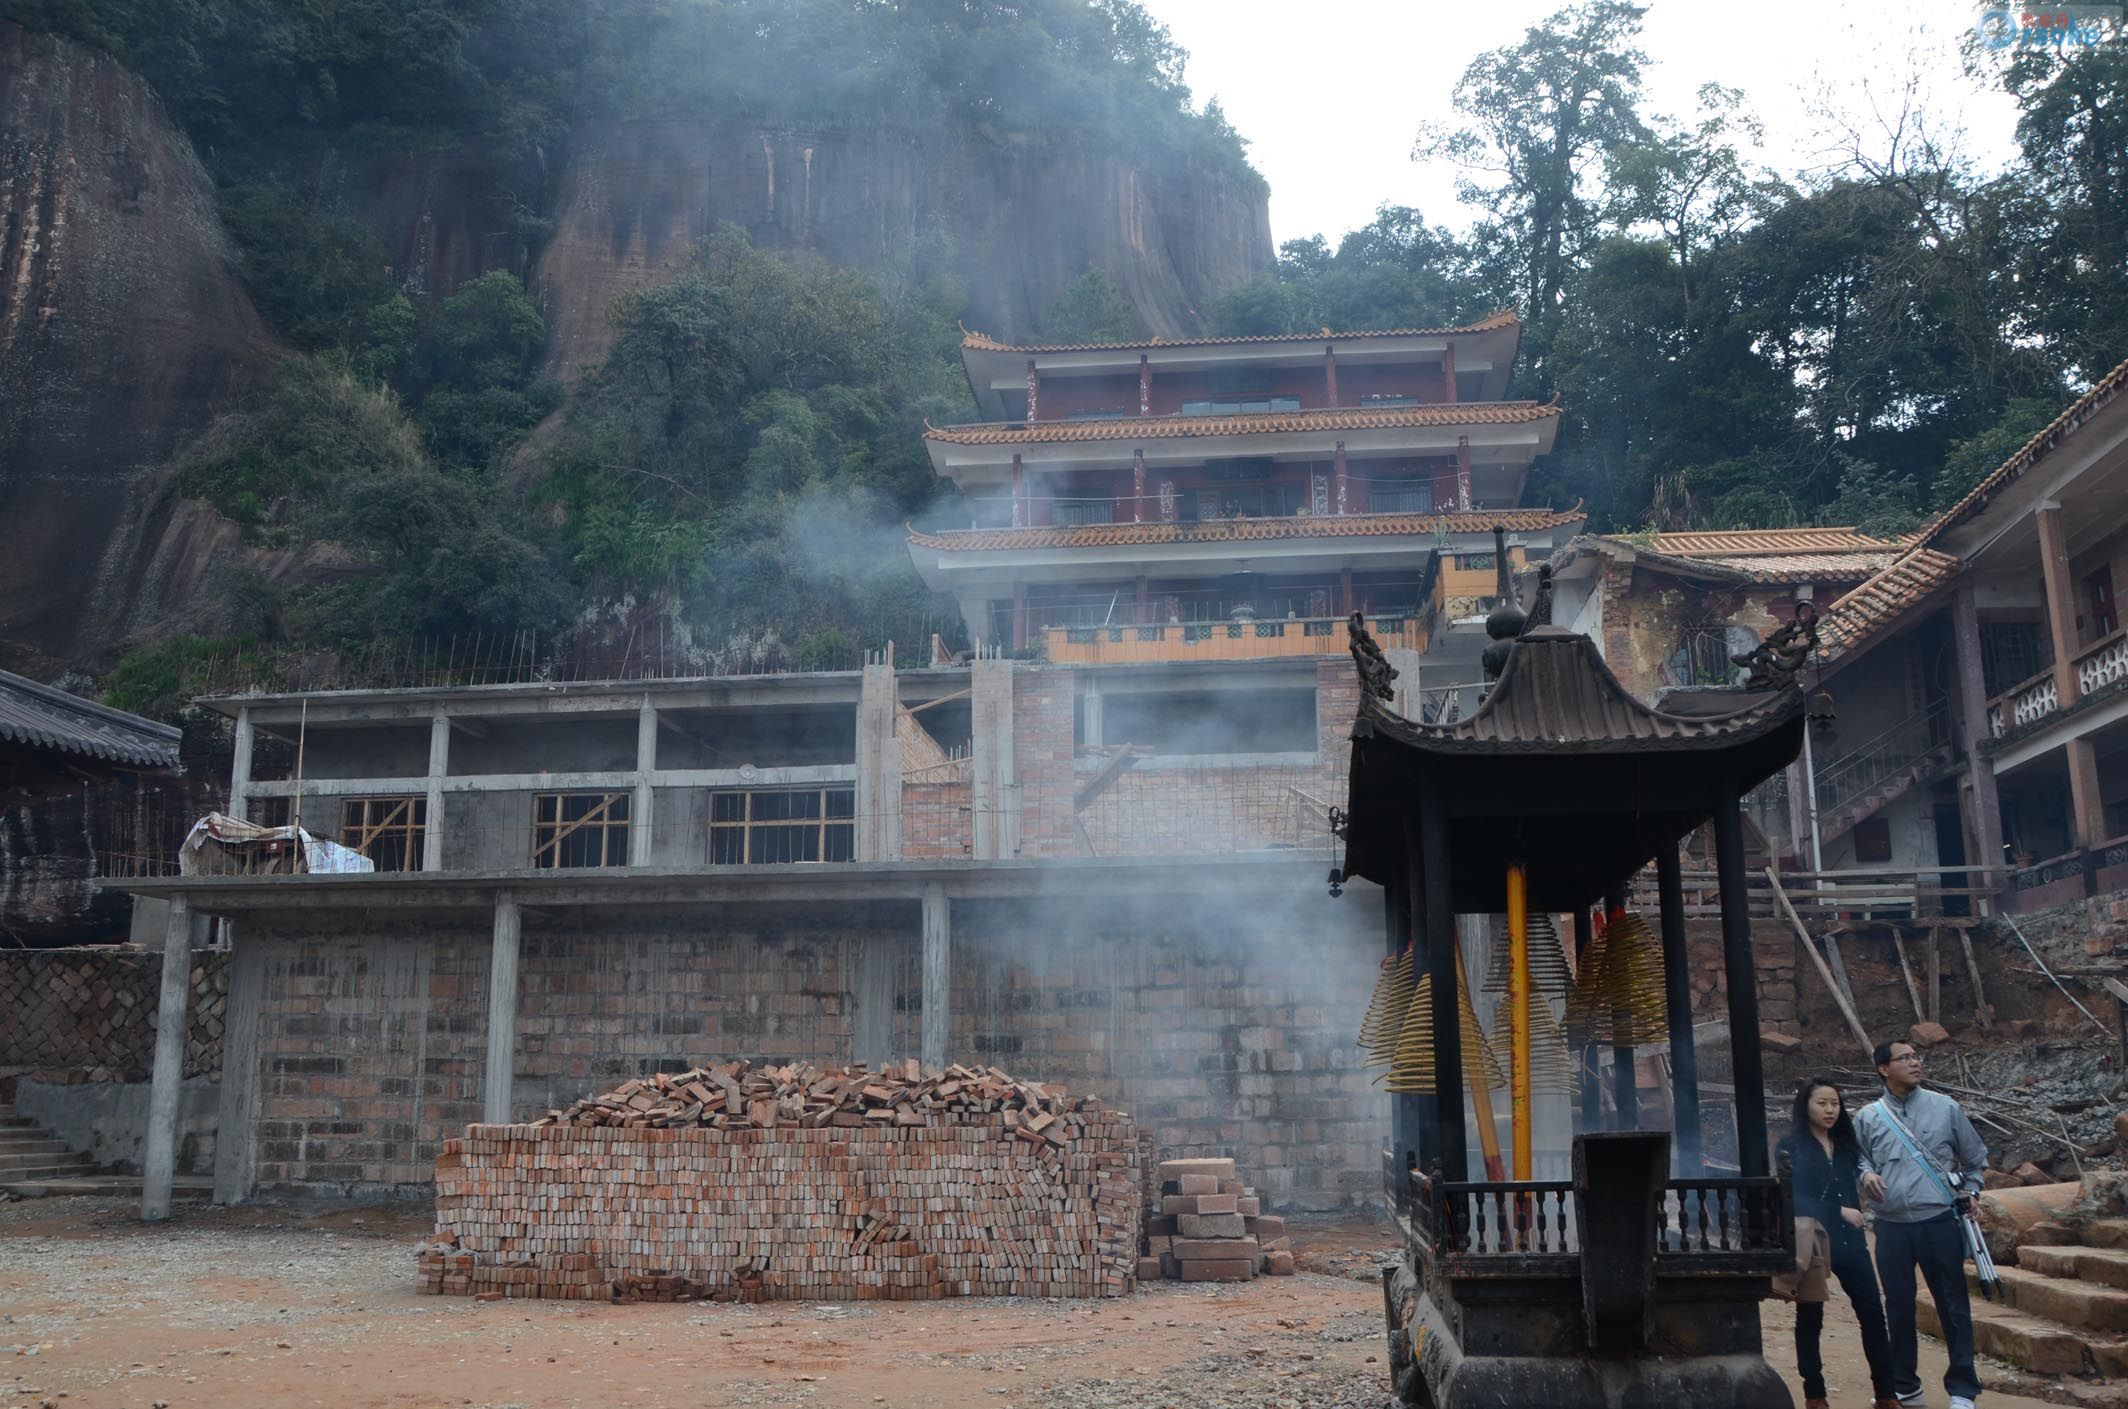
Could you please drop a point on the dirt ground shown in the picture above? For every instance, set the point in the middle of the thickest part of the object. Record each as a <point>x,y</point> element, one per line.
<point>262,1308</point>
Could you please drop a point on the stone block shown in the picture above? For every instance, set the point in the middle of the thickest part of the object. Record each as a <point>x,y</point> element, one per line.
<point>1278,1264</point>
<point>1211,1225</point>
<point>2030,1173</point>
<point>1773,1041</point>
<point>1226,1271</point>
<point>1927,1034</point>
<point>1214,1249</point>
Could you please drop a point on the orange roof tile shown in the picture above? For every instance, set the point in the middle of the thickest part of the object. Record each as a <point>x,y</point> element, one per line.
<point>2030,453</point>
<point>1505,318</point>
<point>1875,606</point>
<point>1808,567</point>
<point>1752,542</point>
<point>1101,535</point>
<point>1469,413</point>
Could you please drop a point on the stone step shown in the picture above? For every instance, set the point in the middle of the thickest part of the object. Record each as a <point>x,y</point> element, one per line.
<point>185,1188</point>
<point>31,1142</point>
<point>2105,1267</point>
<point>2082,1306</point>
<point>2017,1337</point>
<point>2105,1233</point>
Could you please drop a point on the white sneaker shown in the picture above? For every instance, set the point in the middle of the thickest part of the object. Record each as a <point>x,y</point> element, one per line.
<point>1917,1399</point>
<point>1959,1401</point>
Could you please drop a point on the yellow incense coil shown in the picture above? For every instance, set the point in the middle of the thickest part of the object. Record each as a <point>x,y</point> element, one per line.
<point>1549,976</point>
<point>1412,1073</point>
<point>1618,999</point>
<point>1551,1063</point>
<point>1387,1009</point>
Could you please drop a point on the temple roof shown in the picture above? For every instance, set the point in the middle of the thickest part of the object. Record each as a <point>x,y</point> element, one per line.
<point>1884,600</point>
<point>1505,318</point>
<point>2029,454</point>
<point>1102,535</point>
<point>1130,428</point>
<point>1561,770</point>
<point>1758,557</point>
<point>38,716</point>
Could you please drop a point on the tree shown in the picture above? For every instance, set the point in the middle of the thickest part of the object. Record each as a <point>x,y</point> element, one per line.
<point>1091,310</point>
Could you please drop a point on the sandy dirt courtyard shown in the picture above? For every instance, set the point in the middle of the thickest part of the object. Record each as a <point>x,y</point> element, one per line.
<point>264,1307</point>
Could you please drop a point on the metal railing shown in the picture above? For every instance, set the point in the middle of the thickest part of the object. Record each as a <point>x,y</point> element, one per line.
<point>1913,742</point>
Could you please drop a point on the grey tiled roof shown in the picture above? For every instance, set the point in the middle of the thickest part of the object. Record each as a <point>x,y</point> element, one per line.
<point>38,716</point>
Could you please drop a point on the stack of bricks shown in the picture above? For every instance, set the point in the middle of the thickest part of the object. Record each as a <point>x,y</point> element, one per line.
<point>942,1199</point>
<point>1211,1228</point>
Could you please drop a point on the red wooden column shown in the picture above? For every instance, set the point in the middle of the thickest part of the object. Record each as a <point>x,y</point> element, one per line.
<point>1145,386</point>
<point>1034,389</point>
<point>1020,516</point>
<point>1448,372</point>
<point>1142,595</point>
<point>1330,375</point>
<point>1340,488</point>
<point>2087,813</point>
<point>1137,486</point>
<point>1463,473</point>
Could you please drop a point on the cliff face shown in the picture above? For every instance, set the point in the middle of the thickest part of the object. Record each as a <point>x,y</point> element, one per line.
<point>122,331</point>
<point>635,197</point>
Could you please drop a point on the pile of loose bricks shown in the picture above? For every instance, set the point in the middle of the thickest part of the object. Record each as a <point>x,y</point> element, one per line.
<point>1211,1228</point>
<point>791,1183</point>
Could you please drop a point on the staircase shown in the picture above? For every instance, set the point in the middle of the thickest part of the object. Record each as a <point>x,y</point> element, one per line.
<point>2063,1310</point>
<point>1862,781</point>
<point>34,1164</point>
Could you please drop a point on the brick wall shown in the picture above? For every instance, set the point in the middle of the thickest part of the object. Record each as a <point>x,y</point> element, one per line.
<point>89,1013</point>
<point>1043,746</point>
<point>1773,953</point>
<point>1227,1025</point>
<point>935,820</point>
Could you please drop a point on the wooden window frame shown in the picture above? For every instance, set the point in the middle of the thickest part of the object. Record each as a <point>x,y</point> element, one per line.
<point>550,832</point>
<point>386,816</point>
<point>750,828</point>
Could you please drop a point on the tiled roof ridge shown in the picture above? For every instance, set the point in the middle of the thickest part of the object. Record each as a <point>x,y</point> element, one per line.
<point>2046,439</point>
<point>1870,608</point>
<point>1771,542</point>
<point>1505,318</point>
<point>1240,530</point>
<point>1169,427</point>
<point>44,716</point>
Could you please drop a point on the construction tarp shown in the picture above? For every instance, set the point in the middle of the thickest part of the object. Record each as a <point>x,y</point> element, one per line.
<point>220,845</point>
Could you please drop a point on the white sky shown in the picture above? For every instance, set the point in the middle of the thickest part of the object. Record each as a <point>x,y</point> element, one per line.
<point>1331,93</point>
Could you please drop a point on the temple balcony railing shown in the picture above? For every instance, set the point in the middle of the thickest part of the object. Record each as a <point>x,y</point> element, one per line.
<point>2104,665</point>
<point>1223,640</point>
<point>1533,1227</point>
<point>2101,668</point>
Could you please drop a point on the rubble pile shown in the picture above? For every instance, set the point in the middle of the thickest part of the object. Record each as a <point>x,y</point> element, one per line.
<point>752,1183</point>
<point>1211,1228</point>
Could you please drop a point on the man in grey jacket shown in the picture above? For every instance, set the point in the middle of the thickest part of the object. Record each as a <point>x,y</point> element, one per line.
<point>1921,1163</point>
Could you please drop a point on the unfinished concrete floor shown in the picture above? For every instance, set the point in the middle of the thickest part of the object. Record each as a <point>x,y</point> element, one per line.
<point>251,1308</point>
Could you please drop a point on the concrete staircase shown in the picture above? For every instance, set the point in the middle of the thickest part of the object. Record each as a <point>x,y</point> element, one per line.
<point>2063,1310</point>
<point>35,1165</point>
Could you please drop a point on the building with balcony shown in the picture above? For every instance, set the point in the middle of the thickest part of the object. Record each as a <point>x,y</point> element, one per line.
<point>1222,498</point>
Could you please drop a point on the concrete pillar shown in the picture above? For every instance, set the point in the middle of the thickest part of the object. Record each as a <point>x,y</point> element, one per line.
<point>1090,722</point>
<point>432,816</point>
<point>1020,628</point>
<point>1145,386</point>
<point>240,769</point>
<point>641,808</point>
<point>872,1001</point>
<point>2087,811</point>
<point>501,1069</point>
<point>994,785</point>
<point>1973,726</point>
<point>1020,517</point>
<point>1330,376</point>
<point>239,1097</point>
<point>1448,373</point>
<point>878,799</point>
<point>938,976</point>
<point>159,1160</point>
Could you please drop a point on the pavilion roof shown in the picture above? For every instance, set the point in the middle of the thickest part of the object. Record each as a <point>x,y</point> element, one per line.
<point>34,716</point>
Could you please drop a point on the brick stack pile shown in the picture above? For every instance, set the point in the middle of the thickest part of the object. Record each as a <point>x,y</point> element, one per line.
<point>1211,1228</point>
<point>790,1183</point>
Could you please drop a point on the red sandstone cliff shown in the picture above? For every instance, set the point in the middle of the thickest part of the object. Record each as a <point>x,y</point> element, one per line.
<point>123,329</point>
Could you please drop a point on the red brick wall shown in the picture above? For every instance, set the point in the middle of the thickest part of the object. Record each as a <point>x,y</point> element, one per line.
<point>1042,748</point>
<point>936,821</point>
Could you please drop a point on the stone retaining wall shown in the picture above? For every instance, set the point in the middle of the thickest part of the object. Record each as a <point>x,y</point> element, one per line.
<point>88,1014</point>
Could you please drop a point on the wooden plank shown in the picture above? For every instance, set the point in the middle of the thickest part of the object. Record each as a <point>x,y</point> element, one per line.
<point>1906,971</point>
<point>1101,782</point>
<point>1972,969</point>
<point>1935,976</point>
<point>1846,1009</point>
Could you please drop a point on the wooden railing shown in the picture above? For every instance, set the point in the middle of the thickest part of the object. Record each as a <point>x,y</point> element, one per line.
<point>1223,640</point>
<point>1885,892</point>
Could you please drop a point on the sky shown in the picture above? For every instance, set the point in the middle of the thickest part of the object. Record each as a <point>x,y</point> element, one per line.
<point>1332,93</point>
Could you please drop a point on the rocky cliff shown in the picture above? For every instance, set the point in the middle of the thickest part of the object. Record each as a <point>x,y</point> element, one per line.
<point>123,329</point>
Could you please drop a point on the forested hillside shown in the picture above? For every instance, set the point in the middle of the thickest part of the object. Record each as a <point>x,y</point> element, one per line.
<point>619,319</point>
<point>1739,347</point>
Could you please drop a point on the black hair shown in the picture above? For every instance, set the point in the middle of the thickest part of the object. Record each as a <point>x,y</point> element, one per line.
<point>1843,1129</point>
<point>1883,1054</point>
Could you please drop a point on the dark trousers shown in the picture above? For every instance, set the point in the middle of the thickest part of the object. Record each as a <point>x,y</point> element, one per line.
<point>1937,1247</point>
<point>1850,1263</point>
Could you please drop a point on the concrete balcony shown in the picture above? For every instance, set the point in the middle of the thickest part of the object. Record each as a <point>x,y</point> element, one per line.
<point>2100,668</point>
<point>1223,640</point>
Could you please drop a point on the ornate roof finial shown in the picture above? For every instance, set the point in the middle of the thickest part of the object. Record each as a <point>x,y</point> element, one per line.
<point>1540,612</point>
<point>1375,670</point>
<point>1774,662</point>
<point>1506,620</point>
